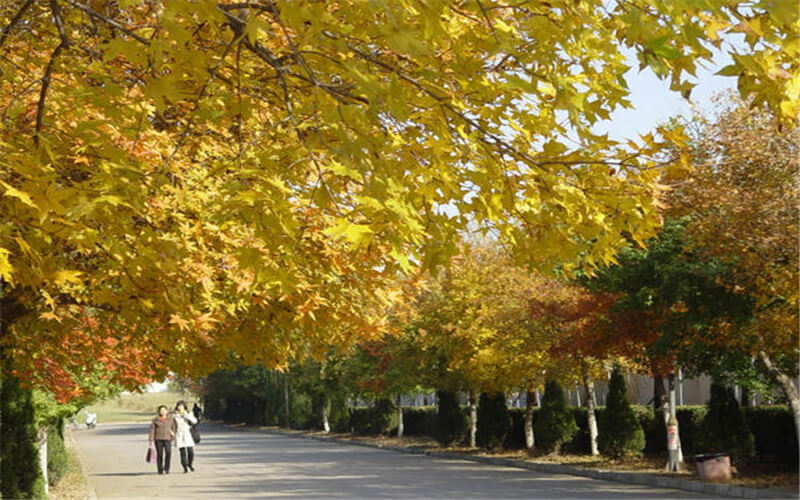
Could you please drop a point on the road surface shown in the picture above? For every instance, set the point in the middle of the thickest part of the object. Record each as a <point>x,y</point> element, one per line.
<point>232,463</point>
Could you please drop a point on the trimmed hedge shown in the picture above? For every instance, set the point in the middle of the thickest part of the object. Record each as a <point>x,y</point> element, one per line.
<point>493,420</point>
<point>374,420</point>
<point>724,427</point>
<point>451,421</point>
<point>556,425</point>
<point>772,427</point>
<point>419,421</point>
<point>774,432</point>
<point>57,461</point>
<point>624,434</point>
<point>19,453</point>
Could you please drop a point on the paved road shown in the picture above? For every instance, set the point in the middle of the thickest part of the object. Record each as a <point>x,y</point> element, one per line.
<point>232,463</point>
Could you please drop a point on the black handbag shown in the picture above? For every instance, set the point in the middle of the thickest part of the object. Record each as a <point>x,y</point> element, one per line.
<point>195,434</point>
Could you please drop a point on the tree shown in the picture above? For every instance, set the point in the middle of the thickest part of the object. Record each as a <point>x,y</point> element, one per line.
<point>724,427</point>
<point>622,433</point>
<point>555,424</point>
<point>206,176</point>
<point>742,198</point>
<point>493,420</point>
<point>451,425</point>
<point>684,303</point>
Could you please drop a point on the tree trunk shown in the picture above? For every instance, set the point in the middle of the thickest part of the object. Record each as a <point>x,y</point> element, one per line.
<point>658,397</point>
<point>326,426</point>
<point>671,416</point>
<point>530,401</point>
<point>746,398</point>
<point>398,402</point>
<point>287,413</point>
<point>588,386</point>
<point>473,419</point>
<point>786,383</point>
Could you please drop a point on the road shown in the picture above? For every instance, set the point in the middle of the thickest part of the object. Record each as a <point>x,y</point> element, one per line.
<point>232,463</point>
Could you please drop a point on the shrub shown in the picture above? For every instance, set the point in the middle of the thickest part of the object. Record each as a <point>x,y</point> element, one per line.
<point>774,432</point>
<point>494,421</point>
<point>19,454</point>
<point>375,420</point>
<point>419,421</point>
<point>451,423</point>
<point>622,433</point>
<point>724,427</point>
<point>338,413</point>
<point>57,461</point>
<point>555,424</point>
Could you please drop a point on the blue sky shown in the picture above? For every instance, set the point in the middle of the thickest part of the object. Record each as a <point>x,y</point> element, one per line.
<point>653,102</point>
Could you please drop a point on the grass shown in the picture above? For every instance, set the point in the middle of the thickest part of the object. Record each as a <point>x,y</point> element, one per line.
<point>134,407</point>
<point>72,485</point>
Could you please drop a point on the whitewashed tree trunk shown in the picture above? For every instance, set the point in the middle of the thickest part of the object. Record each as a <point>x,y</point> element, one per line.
<point>326,426</point>
<point>43,457</point>
<point>473,419</point>
<point>398,402</point>
<point>786,383</point>
<point>530,402</point>
<point>588,386</point>
<point>671,412</point>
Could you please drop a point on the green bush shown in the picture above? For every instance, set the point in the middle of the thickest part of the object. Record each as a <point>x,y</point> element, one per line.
<point>774,432</point>
<point>301,412</point>
<point>419,421</point>
<point>338,413</point>
<point>451,422</point>
<point>57,460</point>
<point>375,420</point>
<point>19,453</point>
<point>494,421</point>
<point>555,424</point>
<point>724,427</point>
<point>622,433</point>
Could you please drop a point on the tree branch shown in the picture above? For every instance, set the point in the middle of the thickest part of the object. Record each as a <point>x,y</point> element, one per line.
<point>109,21</point>
<point>14,21</point>
<point>59,22</point>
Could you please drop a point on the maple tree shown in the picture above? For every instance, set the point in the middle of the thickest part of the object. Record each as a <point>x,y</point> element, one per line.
<point>742,200</point>
<point>205,176</point>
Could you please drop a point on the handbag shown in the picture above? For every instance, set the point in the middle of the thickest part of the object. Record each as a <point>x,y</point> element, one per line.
<point>195,434</point>
<point>150,457</point>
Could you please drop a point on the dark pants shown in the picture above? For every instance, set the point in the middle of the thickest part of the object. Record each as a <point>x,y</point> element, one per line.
<point>163,454</point>
<point>187,456</point>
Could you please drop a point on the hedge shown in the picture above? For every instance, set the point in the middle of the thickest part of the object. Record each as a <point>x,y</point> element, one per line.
<point>419,421</point>
<point>57,461</point>
<point>374,420</point>
<point>19,453</point>
<point>772,427</point>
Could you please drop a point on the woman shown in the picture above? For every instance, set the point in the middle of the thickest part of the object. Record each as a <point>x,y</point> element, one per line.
<point>162,433</point>
<point>183,437</point>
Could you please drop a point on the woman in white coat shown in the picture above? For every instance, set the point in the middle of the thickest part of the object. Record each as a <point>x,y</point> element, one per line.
<point>183,437</point>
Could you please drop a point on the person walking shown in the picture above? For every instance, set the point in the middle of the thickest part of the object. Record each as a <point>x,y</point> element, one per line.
<point>184,421</point>
<point>162,433</point>
<point>197,411</point>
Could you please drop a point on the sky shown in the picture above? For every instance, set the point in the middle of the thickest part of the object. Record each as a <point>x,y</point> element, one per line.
<point>653,102</point>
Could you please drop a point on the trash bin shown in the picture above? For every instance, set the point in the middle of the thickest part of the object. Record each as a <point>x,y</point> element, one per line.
<point>714,467</point>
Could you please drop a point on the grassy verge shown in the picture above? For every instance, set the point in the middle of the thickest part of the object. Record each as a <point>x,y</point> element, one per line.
<point>133,407</point>
<point>72,485</point>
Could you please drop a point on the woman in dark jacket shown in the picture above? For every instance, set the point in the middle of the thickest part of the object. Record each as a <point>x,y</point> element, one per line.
<point>162,433</point>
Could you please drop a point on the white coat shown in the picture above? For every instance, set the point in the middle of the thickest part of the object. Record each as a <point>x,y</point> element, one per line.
<point>183,437</point>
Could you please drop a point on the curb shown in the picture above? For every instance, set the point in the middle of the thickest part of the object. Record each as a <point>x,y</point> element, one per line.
<point>91,495</point>
<point>638,478</point>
